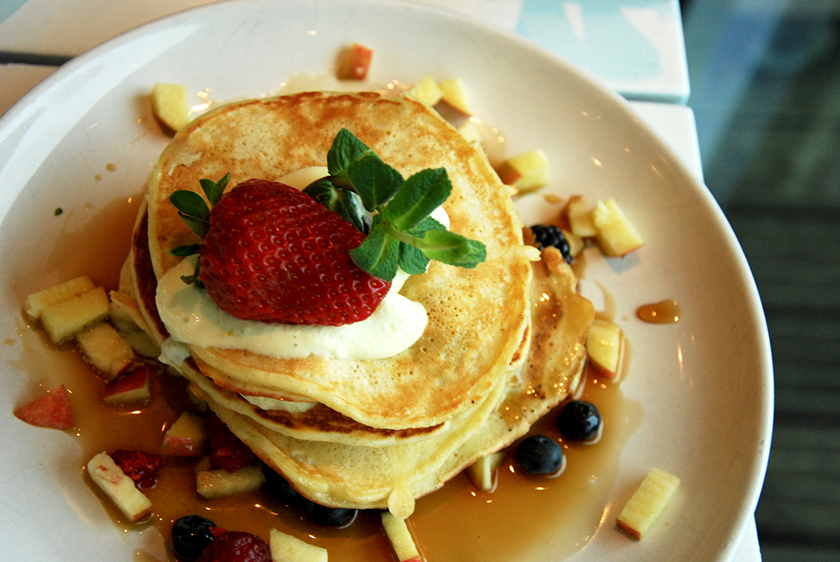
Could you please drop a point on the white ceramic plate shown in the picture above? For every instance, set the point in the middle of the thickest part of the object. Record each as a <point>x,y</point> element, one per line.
<point>84,141</point>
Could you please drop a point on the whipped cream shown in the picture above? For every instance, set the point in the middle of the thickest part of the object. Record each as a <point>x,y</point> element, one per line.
<point>192,318</point>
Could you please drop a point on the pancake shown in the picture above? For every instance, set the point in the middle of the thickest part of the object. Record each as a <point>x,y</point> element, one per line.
<point>391,477</point>
<point>477,317</point>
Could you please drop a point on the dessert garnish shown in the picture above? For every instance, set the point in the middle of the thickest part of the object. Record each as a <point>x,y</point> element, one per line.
<point>326,255</point>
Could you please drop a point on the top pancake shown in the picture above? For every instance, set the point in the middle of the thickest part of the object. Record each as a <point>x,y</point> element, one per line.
<point>477,317</point>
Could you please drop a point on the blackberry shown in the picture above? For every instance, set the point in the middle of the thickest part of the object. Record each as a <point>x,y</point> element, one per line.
<point>550,235</point>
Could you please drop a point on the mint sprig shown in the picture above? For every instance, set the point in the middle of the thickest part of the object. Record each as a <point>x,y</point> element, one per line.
<point>196,213</point>
<point>400,232</point>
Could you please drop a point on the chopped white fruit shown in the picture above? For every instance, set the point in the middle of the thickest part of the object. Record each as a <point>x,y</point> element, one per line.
<point>579,216</point>
<point>426,90</point>
<point>576,243</point>
<point>647,503</point>
<point>400,538</point>
<point>186,437</point>
<point>454,93</point>
<point>471,132</point>
<point>482,473</point>
<point>219,483</point>
<point>37,302</point>
<point>527,171</point>
<point>603,346</point>
<point>62,320</point>
<point>170,104</point>
<point>105,349</point>
<point>286,548</point>
<point>616,235</point>
<point>131,388</point>
<point>111,479</point>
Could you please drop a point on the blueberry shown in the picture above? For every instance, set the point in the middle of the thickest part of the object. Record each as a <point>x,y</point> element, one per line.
<point>191,535</point>
<point>279,488</point>
<point>579,420</point>
<point>329,516</point>
<point>540,455</point>
<point>550,235</point>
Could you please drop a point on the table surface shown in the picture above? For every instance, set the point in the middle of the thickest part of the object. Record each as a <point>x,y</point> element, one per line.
<point>635,47</point>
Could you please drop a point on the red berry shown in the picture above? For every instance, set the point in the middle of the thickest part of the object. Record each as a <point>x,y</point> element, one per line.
<point>274,254</point>
<point>226,450</point>
<point>236,546</point>
<point>140,466</point>
<point>51,410</point>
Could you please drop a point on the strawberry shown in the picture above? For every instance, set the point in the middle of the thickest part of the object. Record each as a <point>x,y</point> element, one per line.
<point>51,410</point>
<point>274,254</point>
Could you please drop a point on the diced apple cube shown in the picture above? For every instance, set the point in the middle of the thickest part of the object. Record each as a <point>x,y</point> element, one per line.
<point>616,235</point>
<point>62,320</point>
<point>482,473</point>
<point>576,243</point>
<point>454,93</point>
<point>37,302</point>
<point>400,538</point>
<point>132,388</point>
<point>121,489</point>
<point>647,503</point>
<point>52,410</point>
<point>105,349</point>
<point>354,62</point>
<point>219,483</point>
<point>471,132</point>
<point>286,548</point>
<point>426,90</point>
<point>579,216</point>
<point>186,437</point>
<point>603,346</point>
<point>527,171</point>
<point>170,105</point>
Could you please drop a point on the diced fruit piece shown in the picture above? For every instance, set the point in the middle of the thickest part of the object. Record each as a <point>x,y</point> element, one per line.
<point>527,171</point>
<point>579,420</point>
<point>105,349</point>
<point>236,546</point>
<point>170,104</point>
<point>63,319</point>
<point>576,243</point>
<point>110,478</point>
<point>219,483</point>
<point>539,454</point>
<point>426,90</point>
<point>131,388</point>
<point>227,451</point>
<point>52,410</point>
<point>482,473</point>
<point>454,93</point>
<point>616,235</point>
<point>286,548</point>
<point>127,319</point>
<point>647,502</point>
<point>579,216</point>
<point>191,534</point>
<point>37,302</point>
<point>400,537</point>
<point>471,132</point>
<point>354,62</point>
<point>327,516</point>
<point>603,346</point>
<point>186,437</point>
<point>140,466</point>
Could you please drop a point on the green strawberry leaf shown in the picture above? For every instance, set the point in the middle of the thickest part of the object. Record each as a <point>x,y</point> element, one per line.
<point>191,204</point>
<point>184,251</point>
<point>214,189</point>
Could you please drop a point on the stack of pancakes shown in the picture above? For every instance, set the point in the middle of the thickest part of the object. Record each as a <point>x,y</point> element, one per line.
<point>503,343</point>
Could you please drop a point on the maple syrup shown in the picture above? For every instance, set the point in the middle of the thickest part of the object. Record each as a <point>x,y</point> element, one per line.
<point>663,312</point>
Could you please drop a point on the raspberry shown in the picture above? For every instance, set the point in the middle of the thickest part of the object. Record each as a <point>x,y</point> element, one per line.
<point>226,450</point>
<point>140,466</point>
<point>236,546</point>
<point>274,254</point>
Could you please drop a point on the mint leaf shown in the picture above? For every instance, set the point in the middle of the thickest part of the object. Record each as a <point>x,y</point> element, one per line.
<point>412,260</point>
<point>346,149</point>
<point>453,249</point>
<point>375,181</point>
<point>379,253</point>
<point>421,194</point>
<point>344,202</point>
